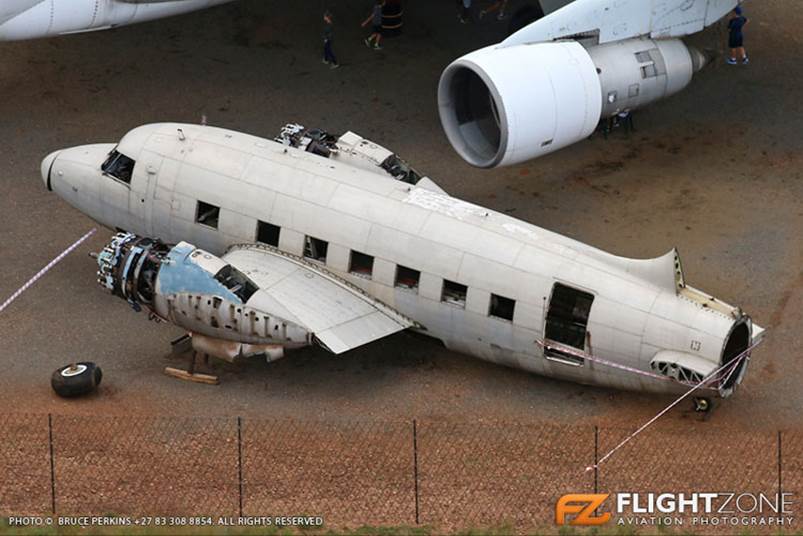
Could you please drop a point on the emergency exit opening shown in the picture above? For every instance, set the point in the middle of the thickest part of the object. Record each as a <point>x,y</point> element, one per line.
<point>566,322</point>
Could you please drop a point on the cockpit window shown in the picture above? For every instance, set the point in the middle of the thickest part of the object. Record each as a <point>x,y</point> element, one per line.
<point>119,166</point>
<point>237,282</point>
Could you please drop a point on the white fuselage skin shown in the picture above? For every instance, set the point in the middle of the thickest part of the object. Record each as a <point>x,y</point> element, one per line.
<point>34,19</point>
<point>637,311</point>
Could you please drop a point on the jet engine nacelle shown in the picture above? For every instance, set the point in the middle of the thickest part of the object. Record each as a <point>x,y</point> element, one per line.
<point>504,105</point>
<point>32,19</point>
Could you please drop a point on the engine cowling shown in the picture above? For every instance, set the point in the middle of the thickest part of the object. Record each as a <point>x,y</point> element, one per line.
<point>198,292</point>
<point>505,105</point>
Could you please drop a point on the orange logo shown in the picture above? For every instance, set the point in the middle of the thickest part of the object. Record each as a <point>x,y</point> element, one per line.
<point>584,505</point>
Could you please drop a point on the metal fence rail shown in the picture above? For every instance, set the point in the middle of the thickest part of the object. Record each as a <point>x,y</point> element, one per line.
<point>446,475</point>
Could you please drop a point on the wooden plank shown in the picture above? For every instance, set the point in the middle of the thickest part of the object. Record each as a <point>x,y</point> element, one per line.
<point>193,377</point>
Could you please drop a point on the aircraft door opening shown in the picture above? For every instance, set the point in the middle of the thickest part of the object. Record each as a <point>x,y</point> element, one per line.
<point>566,322</point>
<point>143,188</point>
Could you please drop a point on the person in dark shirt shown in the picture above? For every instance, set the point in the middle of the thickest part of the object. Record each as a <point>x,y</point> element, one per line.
<point>736,25</point>
<point>328,35</point>
<point>375,18</point>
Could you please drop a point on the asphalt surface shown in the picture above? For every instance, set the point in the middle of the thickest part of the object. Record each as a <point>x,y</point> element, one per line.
<point>715,171</point>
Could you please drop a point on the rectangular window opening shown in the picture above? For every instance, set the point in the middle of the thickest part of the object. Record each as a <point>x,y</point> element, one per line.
<point>118,166</point>
<point>502,307</point>
<point>207,214</point>
<point>361,264</point>
<point>407,278</point>
<point>268,233</point>
<point>566,322</point>
<point>454,293</point>
<point>315,248</point>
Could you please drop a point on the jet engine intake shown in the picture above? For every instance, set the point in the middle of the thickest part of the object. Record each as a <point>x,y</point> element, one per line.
<point>504,105</point>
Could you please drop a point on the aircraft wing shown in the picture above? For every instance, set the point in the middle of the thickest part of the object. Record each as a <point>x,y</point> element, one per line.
<point>337,313</point>
<point>615,20</point>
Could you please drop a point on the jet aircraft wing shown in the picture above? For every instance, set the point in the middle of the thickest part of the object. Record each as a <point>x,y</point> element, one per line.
<point>340,315</point>
<point>608,21</point>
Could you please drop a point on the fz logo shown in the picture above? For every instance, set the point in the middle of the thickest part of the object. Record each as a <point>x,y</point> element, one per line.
<point>583,505</point>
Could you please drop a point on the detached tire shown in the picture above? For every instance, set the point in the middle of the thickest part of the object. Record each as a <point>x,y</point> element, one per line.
<point>76,380</point>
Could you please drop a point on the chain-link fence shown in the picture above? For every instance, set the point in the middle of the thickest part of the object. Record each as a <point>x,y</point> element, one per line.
<point>443,475</point>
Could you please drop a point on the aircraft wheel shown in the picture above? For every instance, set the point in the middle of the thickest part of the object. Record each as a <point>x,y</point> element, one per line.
<point>76,379</point>
<point>523,16</point>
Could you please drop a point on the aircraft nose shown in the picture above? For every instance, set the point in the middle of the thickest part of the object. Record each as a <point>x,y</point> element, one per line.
<point>47,167</point>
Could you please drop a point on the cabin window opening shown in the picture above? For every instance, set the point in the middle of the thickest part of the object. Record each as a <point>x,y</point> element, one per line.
<point>207,214</point>
<point>268,233</point>
<point>502,307</point>
<point>118,166</point>
<point>237,282</point>
<point>566,322</point>
<point>407,278</point>
<point>315,248</point>
<point>454,293</point>
<point>361,264</point>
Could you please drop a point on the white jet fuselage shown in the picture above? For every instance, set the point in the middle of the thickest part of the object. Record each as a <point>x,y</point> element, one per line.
<point>34,19</point>
<point>485,284</point>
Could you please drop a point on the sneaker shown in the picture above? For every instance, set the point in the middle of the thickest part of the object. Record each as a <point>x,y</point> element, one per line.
<point>746,60</point>
<point>501,16</point>
<point>334,66</point>
<point>731,61</point>
<point>482,14</point>
<point>377,47</point>
<point>324,61</point>
<point>367,42</point>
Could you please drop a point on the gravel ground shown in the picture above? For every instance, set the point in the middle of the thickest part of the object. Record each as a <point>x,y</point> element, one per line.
<point>715,171</point>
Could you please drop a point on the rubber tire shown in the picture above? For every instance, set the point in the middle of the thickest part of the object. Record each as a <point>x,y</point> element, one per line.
<point>523,16</point>
<point>78,385</point>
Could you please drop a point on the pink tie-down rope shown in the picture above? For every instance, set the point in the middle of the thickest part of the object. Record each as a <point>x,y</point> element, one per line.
<point>725,371</point>
<point>46,269</point>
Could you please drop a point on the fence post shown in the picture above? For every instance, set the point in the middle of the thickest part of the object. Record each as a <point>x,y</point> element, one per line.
<point>240,460</point>
<point>780,466</point>
<point>415,470</point>
<point>52,464</point>
<point>596,459</point>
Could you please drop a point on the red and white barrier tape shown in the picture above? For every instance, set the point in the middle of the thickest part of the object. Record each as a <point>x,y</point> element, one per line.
<point>44,270</point>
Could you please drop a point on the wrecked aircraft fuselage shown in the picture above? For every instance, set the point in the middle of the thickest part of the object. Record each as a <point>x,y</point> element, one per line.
<point>345,244</point>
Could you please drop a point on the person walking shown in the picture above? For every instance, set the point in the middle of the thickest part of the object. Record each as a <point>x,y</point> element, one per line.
<point>328,35</point>
<point>375,18</point>
<point>736,24</point>
<point>499,6</point>
<point>464,15</point>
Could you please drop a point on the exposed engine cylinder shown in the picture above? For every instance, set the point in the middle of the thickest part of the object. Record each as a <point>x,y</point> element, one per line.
<point>502,106</point>
<point>196,291</point>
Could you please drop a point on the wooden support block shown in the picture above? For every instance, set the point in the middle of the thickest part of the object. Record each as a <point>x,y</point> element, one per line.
<point>193,377</point>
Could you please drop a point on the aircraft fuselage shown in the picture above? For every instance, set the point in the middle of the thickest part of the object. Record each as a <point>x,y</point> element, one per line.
<point>485,284</point>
